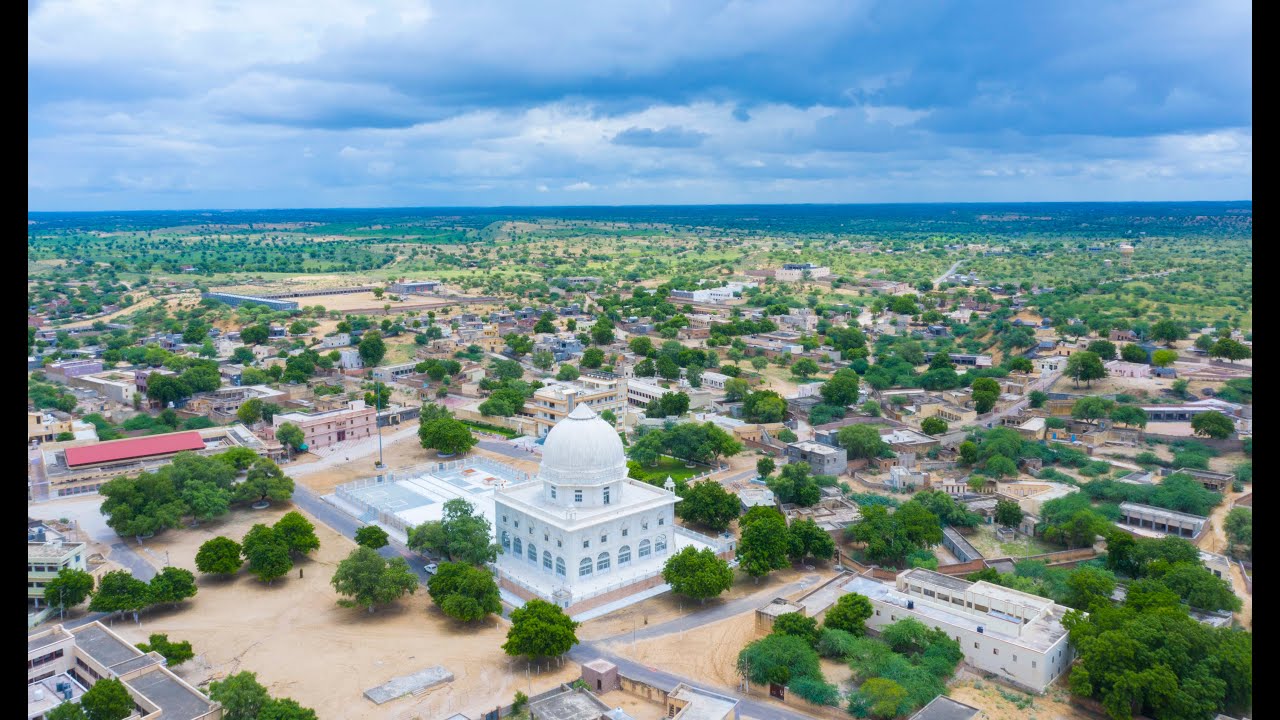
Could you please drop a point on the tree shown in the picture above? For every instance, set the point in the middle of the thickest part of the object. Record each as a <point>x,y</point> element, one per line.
<point>698,574</point>
<point>933,425</point>
<point>765,466</point>
<point>67,710</point>
<point>1168,332</point>
<point>242,697</point>
<point>464,592</point>
<point>1179,387</point>
<point>1089,586</point>
<point>764,545</point>
<point>250,411</point>
<point>798,625</point>
<point>174,653</point>
<point>242,356</point>
<point>1133,353</point>
<point>265,481</point>
<point>671,404</point>
<point>1130,415</point>
<point>710,505</point>
<point>1103,349</point>
<point>371,348</point>
<point>881,698</point>
<point>118,591</point>
<point>171,585</point>
<point>804,368</point>
<point>778,658</point>
<point>543,359</point>
<point>1037,398</point>
<point>68,589</point>
<point>297,533</point>
<point>1008,513</point>
<point>734,388</point>
<point>861,441</point>
<point>540,629</point>
<point>166,389</point>
<point>841,389</point>
<point>592,358</point>
<point>446,436</point>
<point>255,334</point>
<point>968,452</point>
<point>1238,526</point>
<point>462,535</point>
<point>219,556</point>
<point>641,345</point>
<point>985,393</point>
<point>546,323</point>
<point>370,579</point>
<point>1213,424</point>
<point>285,709</point>
<point>267,553</point>
<point>107,699</point>
<point>794,484</point>
<point>372,537</point>
<point>1230,349</point>
<point>291,436</point>
<point>602,331</point>
<point>1163,358</point>
<point>765,406</point>
<point>890,538</point>
<point>1085,366</point>
<point>1019,364</point>
<point>567,372</point>
<point>1091,408</point>
<point>806,540</point>
<point>1200,588</point>
<point>1001,466</point>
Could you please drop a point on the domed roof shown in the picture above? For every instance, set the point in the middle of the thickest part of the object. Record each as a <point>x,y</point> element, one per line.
<point>583,449</point>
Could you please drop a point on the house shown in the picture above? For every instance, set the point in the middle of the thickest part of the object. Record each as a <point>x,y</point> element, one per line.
<point>322,429</point>
<point>1153,521</point>
<point>1128,336</point>
<point>1120,368</point>
<point>793,272</point>
<point>822,459</point>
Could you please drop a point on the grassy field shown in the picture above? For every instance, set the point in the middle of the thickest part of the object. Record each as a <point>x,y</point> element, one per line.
<point>673,468</point>
<point>984,540</point>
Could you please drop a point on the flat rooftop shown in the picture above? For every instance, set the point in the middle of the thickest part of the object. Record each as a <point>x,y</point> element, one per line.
<point>817,448</point>
<point>921,575</point>
<point>702,705</point>
<point>176,700</point>
<point>1153,510</point>
<point>572,705</point>
<point>133,448</point>
<point>103,646</point>
<point>51,550</point>
<point>944,708</point>
<point>55,636</point>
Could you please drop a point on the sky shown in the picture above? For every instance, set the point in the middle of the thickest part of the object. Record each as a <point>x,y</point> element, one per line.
<point>144,105</point>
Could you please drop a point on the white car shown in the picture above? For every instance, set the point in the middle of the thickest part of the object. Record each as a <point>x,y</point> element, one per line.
<point>430,568</point>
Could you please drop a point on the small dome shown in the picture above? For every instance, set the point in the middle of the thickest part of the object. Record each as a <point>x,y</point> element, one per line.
<point>583,449</point>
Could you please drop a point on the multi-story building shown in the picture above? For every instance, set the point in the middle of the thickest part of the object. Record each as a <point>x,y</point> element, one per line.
<point>714,380</point>
<point>48,553</point>
<point>67,369</point>
<point>711,295</point>
<point>553,402</point>
<point>1014,635</point>
<point>640,392</point>
<point>822,459</point>
<point>62,664</point>
<point>321,429</point>
<point>45,427</point>
<point>221,405</point>
<point>793,272</point>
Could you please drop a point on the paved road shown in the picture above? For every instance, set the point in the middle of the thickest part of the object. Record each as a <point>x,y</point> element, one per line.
<point>345,525</point>
<point>938,280</point>
<point>503,447</point>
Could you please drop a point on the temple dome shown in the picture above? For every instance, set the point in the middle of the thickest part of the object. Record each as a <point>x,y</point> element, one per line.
<point>583,449</point>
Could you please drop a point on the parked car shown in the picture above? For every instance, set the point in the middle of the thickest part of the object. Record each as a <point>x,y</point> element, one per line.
<point>430,568</point>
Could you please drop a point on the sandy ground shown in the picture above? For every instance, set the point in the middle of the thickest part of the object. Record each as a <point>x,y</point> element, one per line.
<point>303,645</point>
<point>1216,541</point>
<point>708,654</point>
<point>142,304</point>
<point>1053,706</point>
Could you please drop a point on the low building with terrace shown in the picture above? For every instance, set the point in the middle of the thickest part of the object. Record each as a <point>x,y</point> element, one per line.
<point>1150,521</point>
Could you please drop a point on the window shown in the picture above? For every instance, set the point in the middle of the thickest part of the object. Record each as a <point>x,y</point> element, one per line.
<point>644,548</point>
<point>606,496</point>
<point>604,538</point>
<point>553,493</point>
<point>995,651</point>
<point>625,532</point>
<point>586,544</point>
<point>546,561</point>
<point>893,617</point>
<point>1015,658</point>
<point>975,646</point>
<point>602,562</point>
<point>877,613</point>
<point>559,542</point>
<point>517,523</point>
<point>660,544</point>
<point>533,553</point>
<point>506,540</point>
<point>584,567</point>
<point>624,554</point>
<point>577,496</point>
<point>1033,663</point>
<point>519,547</point>
<point>644,525</point>
<point>662,521</point>
<point>546,537</point>
<point>560,567</point>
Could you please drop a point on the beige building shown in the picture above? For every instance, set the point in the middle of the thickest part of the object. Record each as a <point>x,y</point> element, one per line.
<point>553,402</point>
<point>48,553</point>
<point>321,429</point>
<point>794,272</point>
<point>62,664</point>
<point>43,427</point>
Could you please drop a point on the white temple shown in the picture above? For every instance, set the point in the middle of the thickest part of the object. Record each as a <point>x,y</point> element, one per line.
<point>585,529</point>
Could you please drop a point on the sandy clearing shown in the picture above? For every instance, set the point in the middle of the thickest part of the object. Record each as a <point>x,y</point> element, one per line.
<point>1053,706</point>
<point>303,645</point>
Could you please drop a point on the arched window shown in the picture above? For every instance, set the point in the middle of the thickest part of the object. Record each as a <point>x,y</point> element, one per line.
<point>506,540</point>
<point>560,567</point>
<point>533,553</point>
<point>624,555</point>
<point>584,567</point>
<point>546,561</point>
<point>519,547</point>
<point>660,544</point>
<point>644,548</point>
<point>602,562</point>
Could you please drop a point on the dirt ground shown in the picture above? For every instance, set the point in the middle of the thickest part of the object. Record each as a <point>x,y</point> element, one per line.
<point>708,653</point>
<point>303,645</point>
<point>986,697</point>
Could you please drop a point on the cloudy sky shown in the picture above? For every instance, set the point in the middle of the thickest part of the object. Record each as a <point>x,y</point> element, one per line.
<point>226,104</point>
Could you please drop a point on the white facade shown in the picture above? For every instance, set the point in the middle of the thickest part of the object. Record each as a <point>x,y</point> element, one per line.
<point>585,526</point>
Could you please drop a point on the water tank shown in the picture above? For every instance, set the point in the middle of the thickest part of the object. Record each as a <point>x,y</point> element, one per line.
<point>37,694</point>
<point>979,629</point>
<point>40,535</point>
<point>66,694</point>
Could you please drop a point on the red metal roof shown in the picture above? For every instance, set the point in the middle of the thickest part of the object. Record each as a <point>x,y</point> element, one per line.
<point>134,448</point>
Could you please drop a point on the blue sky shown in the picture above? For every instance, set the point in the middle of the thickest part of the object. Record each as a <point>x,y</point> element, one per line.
<point>216,104</point>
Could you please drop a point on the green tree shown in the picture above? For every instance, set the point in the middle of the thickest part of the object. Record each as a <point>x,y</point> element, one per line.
<point>1091,408</point>
<point>778,658</point>
<point>602,331</point>
<point>241,695</point>
<point>242,356</point>
<point>372,537</point>
<point>219,556</point>
<point>255,334</point>
<point>107,699</point>
<point>118,591</point>
<point>446,436</point>
<point>464,592</point>
<point>1163,358</point>
<point>985,393</point>
<point>764,545</point>
<point>540,630</point>
<point>593,358</point>
<point>1089,587</point>
<point>1133,353</point>
<point>67,710</point>
<point>765,406</point>
<point>68,589</point>
<point>709,504</point>
<point>1213,424</point>
<point>806,540</point>
<point>285,709</point>
<point>968,452</point>
<point>734,388</point>
<point>174,653</point>
<point>567,372</point>
<point>794,484</point>
<point>1008,513</point>
<point>250,411</point>
<point>1085,366</point>
<point>546,323</point>
<point>1238,526</point>
<point>883,698</point>
<point>291,436</point>
<point>297,533</point>
<point>1037,398</point>
<point>698,574</point>
<point>861,441</point>
<point>1103,349</point>
<point>370,579</point>
<point>841,389</point>
<point>267,553</point>
<point>933,425</point>
<point>171,585</point>
<point>765,466</point>
<point>849,614</point>
<point>371,348</point>
<point>462,535</point>
<point>265,481</point>
<point>804,368</point>
<point>167,389</point>
<point>798,625</point>
<point>543,359</point>
<point>1230,349</point>
<point>1168,332</point>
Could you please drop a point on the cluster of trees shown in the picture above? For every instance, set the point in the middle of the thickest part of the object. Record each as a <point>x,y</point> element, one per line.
<point>507,392</point>
<point>703,443</point>
<point>1092,409</point>
<point>269,549</point>
<point>197,376</point>
<point>767,543</point>
<point>1083,587</point>
<point>707,503</point>
<point>795,484</point>
<point>890,537</point>
<point>368,579</point>
<point>119,591</point>
<point>671,404</point>
<point>200,487</point>
<point>438,430</point>
<point>862,441</point>
<point>838,393</point>
<point>438,370</point>
<point>763,406</point>
<point>244,698</point>
<point>1180,492</point>
<point>461,535</point>
<point>1168,567</point>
